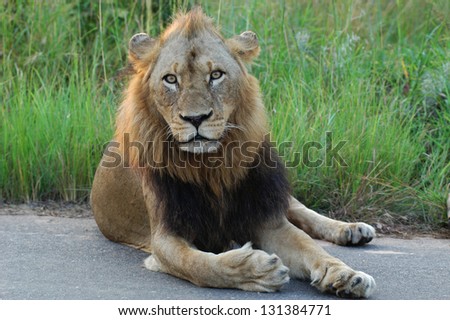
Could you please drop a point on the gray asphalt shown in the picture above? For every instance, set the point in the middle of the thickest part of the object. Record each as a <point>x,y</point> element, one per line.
<point>66,258</point>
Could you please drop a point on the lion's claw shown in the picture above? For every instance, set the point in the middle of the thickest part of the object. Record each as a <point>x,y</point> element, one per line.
<point>344,282</point>
<point>254,270</point>
<point>355,234</point>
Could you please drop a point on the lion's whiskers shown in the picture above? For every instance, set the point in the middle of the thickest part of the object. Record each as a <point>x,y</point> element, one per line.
<point>167,131</point>
<point>230,126</point>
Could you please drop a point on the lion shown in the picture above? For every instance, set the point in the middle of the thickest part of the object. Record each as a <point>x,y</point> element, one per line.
<point>192,178</point>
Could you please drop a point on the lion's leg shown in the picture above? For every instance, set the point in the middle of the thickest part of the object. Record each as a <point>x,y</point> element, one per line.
<point>244,268</point>
<point>320,227</point>
<point>306,259</point>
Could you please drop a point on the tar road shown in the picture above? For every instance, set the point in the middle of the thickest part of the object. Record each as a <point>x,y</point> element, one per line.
<point>46,257</point>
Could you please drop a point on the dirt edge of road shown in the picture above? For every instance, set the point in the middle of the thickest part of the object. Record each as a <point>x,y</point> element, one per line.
<point>83,210</point>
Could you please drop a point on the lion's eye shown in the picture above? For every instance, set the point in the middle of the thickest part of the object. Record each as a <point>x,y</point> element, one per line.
<point>215,75</point>
<point>170,78</point>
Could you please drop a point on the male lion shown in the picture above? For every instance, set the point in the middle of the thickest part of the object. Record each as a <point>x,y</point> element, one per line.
<point>199,185</point>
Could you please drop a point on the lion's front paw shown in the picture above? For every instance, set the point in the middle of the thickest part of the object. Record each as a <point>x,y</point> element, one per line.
<point>343,281</point>
<point>355,234</point>
<point>253,270</point>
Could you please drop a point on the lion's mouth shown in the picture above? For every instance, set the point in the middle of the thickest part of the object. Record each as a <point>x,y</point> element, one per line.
<point>200,144</point>
<point>198,137</point>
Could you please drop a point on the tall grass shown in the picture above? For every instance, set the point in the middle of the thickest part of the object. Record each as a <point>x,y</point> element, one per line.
<point>375,74</point>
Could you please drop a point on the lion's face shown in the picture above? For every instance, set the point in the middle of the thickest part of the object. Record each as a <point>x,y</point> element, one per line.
<point>194,80</point>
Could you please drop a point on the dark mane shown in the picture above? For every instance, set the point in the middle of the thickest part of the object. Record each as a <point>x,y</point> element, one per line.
<point>210,222</point>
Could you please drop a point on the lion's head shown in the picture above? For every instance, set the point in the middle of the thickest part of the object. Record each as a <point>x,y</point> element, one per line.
<point>191,92</point>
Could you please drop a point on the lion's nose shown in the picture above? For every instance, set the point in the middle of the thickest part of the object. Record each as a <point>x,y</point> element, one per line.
<point>197,119</point>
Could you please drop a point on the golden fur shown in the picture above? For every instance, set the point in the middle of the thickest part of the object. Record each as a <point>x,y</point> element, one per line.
<point>192,82</point>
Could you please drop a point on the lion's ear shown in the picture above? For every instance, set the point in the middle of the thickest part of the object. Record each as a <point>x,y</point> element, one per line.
<point>140,44</point>
<point>245,46</point>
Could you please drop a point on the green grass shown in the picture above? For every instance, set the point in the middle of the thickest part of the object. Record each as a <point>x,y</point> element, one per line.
<point>375,74</point>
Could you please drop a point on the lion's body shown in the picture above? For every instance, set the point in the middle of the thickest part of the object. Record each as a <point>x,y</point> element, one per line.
<point>190,172</point>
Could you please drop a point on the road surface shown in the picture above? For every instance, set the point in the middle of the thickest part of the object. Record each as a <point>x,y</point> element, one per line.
<point>44,257</point>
